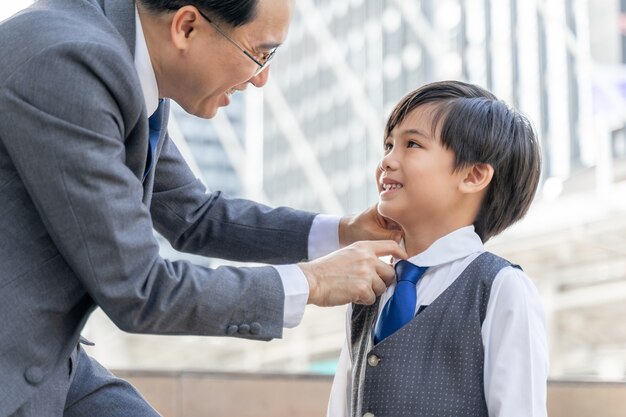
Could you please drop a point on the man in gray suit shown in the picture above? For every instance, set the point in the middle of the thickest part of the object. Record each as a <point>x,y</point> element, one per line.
<point>87,171</point>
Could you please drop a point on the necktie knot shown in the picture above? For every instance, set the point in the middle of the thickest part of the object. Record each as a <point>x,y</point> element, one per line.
<point>406,271</point>
<point>400,308</point>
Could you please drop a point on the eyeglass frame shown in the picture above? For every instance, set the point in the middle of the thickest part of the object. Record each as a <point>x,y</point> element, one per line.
<point>262,66</point>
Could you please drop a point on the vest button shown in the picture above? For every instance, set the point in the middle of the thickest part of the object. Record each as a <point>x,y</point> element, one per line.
<point>372,360</point>
<point>34,375</point>
<point>369,415</point>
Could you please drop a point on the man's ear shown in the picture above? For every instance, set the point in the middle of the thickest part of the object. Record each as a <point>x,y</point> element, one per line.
<point>476,178</point>
<point>183,26</point>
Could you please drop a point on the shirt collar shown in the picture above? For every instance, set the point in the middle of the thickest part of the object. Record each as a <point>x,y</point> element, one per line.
<point>455,245</point>
<point>144,68</point>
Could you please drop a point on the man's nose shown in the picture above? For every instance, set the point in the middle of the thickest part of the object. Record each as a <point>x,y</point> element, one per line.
<point>261,78</point>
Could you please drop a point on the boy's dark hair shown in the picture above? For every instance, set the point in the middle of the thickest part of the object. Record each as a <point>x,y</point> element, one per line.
<point>479,128</point>
<point>232,12</point>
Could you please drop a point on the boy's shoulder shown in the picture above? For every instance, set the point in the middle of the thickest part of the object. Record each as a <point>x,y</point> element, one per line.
<point>488,264</point>
<point>510,286</point>
<point>493,268</point>
<point>496,275</point>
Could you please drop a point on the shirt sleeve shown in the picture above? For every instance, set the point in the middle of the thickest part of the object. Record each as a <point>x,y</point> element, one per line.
<point>323,239</point>
<point>516,349</point>
<point>341,390</point>
<point>324,236</point>
<point>296,289</point>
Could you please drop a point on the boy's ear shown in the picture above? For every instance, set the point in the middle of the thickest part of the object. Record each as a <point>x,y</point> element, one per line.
<point>477,177</point>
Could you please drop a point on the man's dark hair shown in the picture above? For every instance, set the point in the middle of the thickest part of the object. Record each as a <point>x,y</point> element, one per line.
<point>479,128</point>
<point>232,12</point>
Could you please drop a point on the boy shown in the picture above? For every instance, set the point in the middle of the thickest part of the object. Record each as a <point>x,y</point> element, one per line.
<point>462,331</point>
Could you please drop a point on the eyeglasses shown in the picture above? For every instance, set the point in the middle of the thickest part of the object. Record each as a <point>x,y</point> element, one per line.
<point>262,61</point>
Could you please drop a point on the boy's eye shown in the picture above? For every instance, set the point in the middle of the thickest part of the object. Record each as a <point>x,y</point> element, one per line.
<point>387,146</point>
<point>413,144</point>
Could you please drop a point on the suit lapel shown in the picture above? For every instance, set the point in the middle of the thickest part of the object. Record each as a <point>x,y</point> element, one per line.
<point>121,13</point>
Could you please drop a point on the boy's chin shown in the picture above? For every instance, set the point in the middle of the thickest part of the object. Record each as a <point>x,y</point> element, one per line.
<point>389,214</point>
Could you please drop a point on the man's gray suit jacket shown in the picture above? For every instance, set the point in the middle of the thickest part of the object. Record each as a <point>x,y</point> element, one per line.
<point>76,219</point>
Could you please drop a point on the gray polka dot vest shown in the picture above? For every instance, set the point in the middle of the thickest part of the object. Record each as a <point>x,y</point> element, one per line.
<point>433,366</point>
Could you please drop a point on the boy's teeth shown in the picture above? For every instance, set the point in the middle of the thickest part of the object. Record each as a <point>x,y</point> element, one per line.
<point>391,186</point>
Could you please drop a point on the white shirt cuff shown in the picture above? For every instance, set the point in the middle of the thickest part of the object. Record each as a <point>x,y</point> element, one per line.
<point>324,235</point>
<point>296,289</point>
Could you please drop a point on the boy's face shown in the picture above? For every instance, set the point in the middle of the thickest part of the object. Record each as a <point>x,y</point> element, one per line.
<point>416,177</point>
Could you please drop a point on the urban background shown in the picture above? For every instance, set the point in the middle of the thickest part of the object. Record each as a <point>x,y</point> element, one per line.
<point>312,138</point>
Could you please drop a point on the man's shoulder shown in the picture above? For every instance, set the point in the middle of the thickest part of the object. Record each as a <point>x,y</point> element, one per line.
<point>81,65</point>
<point>52,24</point>
<point>65,50</point>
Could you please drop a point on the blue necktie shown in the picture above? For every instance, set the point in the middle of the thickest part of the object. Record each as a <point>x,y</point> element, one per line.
<point>400,309</point>
<point>154,126</point>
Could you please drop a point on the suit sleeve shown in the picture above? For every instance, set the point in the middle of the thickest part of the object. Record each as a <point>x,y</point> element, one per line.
<point>210,224</point>
<point>66,140</point>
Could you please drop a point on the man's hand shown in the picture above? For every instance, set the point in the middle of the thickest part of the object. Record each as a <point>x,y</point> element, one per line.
<point>352,274</point>
<point>368,225</point>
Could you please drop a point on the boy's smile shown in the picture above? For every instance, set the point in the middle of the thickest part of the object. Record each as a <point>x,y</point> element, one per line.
<point>388,186</point>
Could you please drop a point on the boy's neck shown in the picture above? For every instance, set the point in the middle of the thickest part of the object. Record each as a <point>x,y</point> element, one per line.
<point>420,237</point>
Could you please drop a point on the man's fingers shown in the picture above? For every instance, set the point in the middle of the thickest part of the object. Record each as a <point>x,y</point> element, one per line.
<point>355,273</point>
<point>395,235</point>
<point>366,298</point>
<point>386,274</point>
<point>390,224</point>
<point>386,248</point>
<point>379,286</point>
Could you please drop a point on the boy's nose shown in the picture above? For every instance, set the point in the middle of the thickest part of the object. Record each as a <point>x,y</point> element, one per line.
<point>388,162</point>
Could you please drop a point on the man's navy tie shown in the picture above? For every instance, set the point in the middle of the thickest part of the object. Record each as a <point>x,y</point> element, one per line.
<point>154,125</point>
<point>400,309</point>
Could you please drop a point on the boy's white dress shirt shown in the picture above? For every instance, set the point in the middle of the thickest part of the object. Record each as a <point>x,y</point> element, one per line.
<point>513,333</point>
<point>324,234</point>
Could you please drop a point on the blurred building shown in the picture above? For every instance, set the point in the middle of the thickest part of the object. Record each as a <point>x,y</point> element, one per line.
<point>346,64</point>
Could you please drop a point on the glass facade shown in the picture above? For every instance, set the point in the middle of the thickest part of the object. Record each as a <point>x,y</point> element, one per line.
<point>345,66</point>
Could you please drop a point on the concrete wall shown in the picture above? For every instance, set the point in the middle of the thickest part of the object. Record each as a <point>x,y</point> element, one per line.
<point>203,394</point>
<point>580,399</point>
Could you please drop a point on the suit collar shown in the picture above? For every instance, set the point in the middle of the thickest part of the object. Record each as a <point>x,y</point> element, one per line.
<point>121,13</point>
